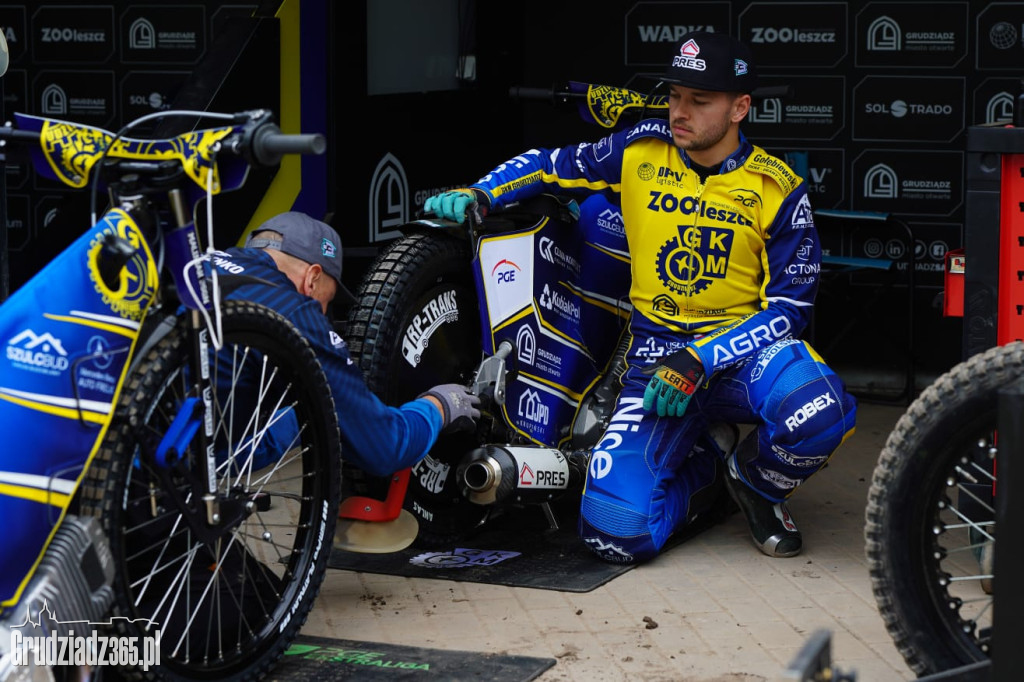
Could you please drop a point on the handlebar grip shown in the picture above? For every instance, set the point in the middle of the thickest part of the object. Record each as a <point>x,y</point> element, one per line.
<point>517,92</point>
<point>277,144</point>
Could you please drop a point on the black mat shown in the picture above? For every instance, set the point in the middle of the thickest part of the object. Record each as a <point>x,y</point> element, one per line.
<point>319,659</point>
<point>517,550</point>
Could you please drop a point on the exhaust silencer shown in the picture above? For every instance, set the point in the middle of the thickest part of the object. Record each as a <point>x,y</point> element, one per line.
<point>493,474</point>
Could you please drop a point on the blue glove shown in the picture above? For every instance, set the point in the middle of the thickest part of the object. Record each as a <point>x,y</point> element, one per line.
<point>673,384</point>
<point>452,205</point>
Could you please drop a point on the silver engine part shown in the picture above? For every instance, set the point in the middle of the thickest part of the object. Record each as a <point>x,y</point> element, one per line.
<point>72,584</point>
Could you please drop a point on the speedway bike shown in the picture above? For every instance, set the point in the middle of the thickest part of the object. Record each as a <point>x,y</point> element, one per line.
<point>529,306</point>
<point>930,519</point>
<point>138,486</point>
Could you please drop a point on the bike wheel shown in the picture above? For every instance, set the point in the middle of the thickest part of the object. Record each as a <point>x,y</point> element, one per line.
<point>227,601</point>
<point>416,325</point>
<point>926,523</point>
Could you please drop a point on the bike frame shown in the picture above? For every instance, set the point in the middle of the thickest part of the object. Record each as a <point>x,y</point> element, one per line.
<point>70,332</point>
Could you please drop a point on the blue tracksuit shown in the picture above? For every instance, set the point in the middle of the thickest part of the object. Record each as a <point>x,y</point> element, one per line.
<point>375,437</point>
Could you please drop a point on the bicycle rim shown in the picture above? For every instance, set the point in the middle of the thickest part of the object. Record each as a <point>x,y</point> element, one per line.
<point>227,603</point>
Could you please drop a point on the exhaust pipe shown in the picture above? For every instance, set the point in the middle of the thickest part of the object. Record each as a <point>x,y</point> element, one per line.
<point>493,474</point>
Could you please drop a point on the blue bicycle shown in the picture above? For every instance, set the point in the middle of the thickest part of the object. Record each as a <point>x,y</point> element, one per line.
<point>135,477</point>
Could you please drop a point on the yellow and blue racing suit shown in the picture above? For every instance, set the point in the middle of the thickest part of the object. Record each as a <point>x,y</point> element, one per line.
<point>728,266</point>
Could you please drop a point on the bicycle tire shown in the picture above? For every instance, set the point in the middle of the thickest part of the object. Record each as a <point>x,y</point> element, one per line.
<point>257,581</point>
<point>922,555</point>
<point>412,274</point>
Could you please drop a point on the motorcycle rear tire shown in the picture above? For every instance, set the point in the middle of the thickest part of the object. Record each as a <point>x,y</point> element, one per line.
<point>943,441</point>
<point>416,325</point>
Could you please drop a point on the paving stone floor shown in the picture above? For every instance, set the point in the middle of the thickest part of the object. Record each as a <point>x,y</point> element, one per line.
<point>724,612</point>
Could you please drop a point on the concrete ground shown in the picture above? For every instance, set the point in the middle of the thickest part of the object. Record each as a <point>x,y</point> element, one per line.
<point>713,609</point>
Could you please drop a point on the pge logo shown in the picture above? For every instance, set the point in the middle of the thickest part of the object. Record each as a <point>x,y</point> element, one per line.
<point>746,197</point>
<point>505,271</point>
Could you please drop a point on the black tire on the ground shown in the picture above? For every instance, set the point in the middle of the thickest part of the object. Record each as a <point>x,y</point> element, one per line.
<point>265,569</point>
<point>922,566</point>
<point>410,275</point>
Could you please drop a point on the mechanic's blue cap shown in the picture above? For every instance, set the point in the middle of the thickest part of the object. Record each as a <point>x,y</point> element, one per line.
<point>712,61</point>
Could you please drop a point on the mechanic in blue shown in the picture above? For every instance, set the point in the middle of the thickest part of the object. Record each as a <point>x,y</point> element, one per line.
<point>725,262</point>
<point>292,264</point>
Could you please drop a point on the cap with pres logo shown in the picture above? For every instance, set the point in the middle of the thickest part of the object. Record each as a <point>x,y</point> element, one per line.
<point>712,61</point>
<point>308,239</point>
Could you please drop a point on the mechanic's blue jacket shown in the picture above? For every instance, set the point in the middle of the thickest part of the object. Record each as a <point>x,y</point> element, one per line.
<point>375,437</point>
<point>732,261</point>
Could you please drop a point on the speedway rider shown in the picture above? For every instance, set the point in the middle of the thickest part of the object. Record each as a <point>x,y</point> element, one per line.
<point>725,262</point>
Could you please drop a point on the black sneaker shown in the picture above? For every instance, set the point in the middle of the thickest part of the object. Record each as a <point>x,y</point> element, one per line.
<point>771,525</point>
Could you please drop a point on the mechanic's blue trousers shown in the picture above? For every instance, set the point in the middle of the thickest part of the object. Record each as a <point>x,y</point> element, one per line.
<point>649,476</point>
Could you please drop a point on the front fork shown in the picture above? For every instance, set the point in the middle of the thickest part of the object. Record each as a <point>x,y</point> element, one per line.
<point>183,249</point>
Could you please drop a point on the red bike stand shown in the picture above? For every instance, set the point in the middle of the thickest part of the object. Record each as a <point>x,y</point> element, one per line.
<point>373,526</point>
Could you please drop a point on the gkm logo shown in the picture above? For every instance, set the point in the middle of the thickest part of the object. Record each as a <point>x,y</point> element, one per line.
<point>687,57</point>
<point>505,271</point>
<point>689,263</point>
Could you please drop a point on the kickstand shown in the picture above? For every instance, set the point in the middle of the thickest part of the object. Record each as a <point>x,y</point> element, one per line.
<point>549,514</point>
<point>376,526</point>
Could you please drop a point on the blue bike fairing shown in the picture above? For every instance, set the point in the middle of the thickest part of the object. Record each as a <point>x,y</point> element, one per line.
<point>559,295</point>
<point>66,339</point>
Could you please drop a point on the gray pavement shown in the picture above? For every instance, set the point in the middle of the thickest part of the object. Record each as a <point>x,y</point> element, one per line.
<point>713,609</point>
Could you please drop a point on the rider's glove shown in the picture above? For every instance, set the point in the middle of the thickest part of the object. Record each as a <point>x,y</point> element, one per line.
<point>452,205</point>
<point>459,407</point>
<point>673,383</point>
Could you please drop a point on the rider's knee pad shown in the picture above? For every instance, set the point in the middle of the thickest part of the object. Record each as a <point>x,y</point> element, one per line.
<point>616,549</point>
<point>814,416</point>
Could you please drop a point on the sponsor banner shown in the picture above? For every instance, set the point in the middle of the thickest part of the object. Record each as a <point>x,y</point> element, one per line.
<point>164,34</point>
<point>993,101</point>
<point>795,33</point>
<point>14,24</point>
<point>908,182</point>
<point>1000,36</point>
<point>813,111</point>
<point>72,35</point>
<point>19,227</point>
<point>823,171</point>
<point>927,108</point>
<point>931,242</point>
<point>81,96</point>
<point>901,34</point>
<point>144,92</point>
<point>505,265</point>
<point>651,35</point>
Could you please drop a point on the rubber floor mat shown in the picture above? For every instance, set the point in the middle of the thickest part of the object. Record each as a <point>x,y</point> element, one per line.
<point>517,550</point>
<point>319,659</point>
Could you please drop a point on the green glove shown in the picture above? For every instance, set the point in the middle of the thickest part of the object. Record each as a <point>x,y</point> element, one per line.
<point>673,384</point>
<point>452,205</point>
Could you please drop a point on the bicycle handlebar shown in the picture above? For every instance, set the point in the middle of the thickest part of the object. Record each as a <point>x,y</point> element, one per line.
<point>267,144</point>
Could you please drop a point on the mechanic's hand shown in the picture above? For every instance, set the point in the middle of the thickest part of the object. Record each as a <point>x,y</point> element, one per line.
<point>453,204</point>
<point>673,384</point>
<point>459,407</point>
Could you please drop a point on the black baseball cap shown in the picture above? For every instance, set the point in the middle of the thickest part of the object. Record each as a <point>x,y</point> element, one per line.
<point>309,240</point>
<point>712,61</point>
